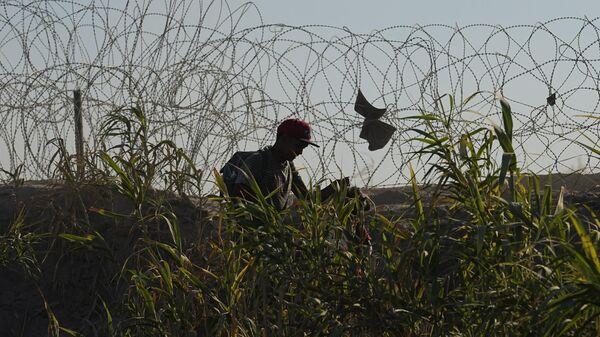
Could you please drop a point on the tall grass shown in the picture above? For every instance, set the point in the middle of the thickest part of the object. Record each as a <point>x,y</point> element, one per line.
<point>489,252</point>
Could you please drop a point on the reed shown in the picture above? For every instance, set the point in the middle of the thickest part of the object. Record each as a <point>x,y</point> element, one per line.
<point>489,252</point>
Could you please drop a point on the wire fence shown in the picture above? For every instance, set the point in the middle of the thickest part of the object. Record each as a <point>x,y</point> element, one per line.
<point>215,80</point>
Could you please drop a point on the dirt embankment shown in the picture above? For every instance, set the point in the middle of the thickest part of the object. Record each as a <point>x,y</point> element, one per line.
<point>69,277</point>
<point>56,208</point>
<point>578,189</point>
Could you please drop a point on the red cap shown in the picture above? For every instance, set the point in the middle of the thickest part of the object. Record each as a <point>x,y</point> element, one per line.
<point>296,128</point>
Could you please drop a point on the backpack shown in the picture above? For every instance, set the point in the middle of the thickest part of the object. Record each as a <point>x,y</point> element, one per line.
<point>232,169</point>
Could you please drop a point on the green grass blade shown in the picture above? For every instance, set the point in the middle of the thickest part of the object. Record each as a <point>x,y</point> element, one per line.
<point>586,242</point>
<point>416,194</point>
<point>507,159</point>
<point>507,117</point>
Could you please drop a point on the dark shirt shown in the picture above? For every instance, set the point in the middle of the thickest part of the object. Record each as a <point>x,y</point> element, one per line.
<point>271,175</point>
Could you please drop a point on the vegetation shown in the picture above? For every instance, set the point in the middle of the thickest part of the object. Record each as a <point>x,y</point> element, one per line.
<point>489,252</point>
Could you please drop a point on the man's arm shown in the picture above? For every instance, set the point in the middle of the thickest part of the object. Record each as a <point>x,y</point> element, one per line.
<point>301,191</point>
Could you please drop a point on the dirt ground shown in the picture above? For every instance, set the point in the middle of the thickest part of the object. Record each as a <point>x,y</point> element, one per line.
<point>70,277</point>
<point>578,189</point>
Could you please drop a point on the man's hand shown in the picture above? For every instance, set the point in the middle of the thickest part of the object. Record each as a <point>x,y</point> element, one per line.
<point>337,184</point>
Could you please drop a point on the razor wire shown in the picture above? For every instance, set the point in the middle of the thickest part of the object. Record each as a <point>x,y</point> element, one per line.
<point>216,79</point>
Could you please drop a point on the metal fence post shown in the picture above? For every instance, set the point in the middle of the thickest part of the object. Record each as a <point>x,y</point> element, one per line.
<point>78,133</point>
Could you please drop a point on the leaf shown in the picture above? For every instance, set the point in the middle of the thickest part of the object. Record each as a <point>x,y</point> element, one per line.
<point>69,331</point>
<point>126,182</point>
<point>468,99</point>
<point>588,116</point>
<point>174,230</point>
<point>594,149</point>
<point>172,252</point>
<point>586,242</point>
<point>480,237</point>
<point>240,276</point>
<point>220,182</point>
<point>505,141</point>
<point>416,195</point>
<point>507,117</point>
<point>148,301</point>
<point>76,238</point>
<point>109,319</point>
<point>462,147</point>
<point>560,205</point>
<point>507,159</point>
<point>426,117</point>
<point>166,275</point>
<point>107,213</point>
<point>547,198</point>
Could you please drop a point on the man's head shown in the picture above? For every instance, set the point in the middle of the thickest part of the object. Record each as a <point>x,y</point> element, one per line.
<point>293,136</point>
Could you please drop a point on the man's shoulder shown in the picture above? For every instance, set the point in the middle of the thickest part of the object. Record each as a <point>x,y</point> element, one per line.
<point>260,161</point>
<point>257,156</point>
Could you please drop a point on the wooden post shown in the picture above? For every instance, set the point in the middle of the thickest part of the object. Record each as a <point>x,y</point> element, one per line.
<point>78,133</point>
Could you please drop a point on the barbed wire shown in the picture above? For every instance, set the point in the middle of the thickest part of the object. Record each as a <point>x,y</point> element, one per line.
<point>216,79</point>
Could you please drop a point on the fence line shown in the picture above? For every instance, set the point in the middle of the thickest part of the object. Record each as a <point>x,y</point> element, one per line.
<point>215,86</point>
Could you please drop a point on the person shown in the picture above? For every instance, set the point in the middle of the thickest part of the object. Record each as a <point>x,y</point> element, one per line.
<point>274,172</point>
<point>273,167</point>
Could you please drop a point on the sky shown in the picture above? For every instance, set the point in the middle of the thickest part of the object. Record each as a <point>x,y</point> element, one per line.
<point>367,16</point>
<point>364,16</point>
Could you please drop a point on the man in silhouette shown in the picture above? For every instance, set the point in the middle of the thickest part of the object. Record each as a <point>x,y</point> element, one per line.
<point>274,170</point>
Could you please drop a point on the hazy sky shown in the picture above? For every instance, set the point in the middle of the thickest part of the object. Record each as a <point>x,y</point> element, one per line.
<point>360,18</point>
<point>363,16</point>
<point>366,16</point>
